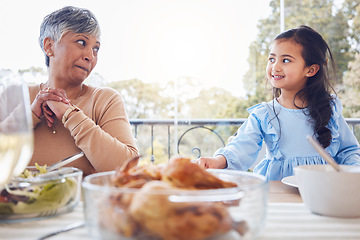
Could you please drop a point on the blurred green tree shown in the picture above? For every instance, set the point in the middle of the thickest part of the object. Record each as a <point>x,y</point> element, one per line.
<point>144,100</point>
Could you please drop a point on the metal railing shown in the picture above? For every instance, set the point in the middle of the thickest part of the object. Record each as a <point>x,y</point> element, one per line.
<point>206,124</point>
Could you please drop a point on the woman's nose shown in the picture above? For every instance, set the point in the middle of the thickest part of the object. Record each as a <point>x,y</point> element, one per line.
<point>89,56</point>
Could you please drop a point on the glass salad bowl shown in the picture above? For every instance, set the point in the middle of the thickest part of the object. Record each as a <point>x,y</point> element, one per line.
<point>33,195</point>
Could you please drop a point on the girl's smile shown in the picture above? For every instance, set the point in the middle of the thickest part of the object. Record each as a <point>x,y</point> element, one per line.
<point>277,77</point>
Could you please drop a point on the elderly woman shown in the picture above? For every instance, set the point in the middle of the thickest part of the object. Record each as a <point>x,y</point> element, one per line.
<point>68,115</point>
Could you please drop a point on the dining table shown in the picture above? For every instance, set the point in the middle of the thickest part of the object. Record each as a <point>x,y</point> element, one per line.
<point>287,218</point>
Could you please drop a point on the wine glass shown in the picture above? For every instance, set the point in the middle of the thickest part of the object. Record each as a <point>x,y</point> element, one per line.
<point>16,128</point>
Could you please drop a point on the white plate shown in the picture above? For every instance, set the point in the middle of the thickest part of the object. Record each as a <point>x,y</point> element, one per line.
<point>290,180</point>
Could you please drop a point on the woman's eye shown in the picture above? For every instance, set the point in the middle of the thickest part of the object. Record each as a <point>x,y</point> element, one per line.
<point>96,49</point>
<point>82,42</point>
<point>271,60</point>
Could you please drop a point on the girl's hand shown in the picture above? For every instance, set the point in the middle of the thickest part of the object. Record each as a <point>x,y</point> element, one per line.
<point>212,162</point>
<point>44,95</point>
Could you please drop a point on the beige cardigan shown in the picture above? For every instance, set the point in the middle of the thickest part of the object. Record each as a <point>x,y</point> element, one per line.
<point>101,130</point>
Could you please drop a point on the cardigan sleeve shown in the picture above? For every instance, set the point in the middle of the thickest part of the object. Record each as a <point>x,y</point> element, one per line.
<point>107,139</point>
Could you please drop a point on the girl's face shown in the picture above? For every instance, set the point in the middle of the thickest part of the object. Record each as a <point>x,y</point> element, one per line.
<point>286,67</point>
<point>74,57</point>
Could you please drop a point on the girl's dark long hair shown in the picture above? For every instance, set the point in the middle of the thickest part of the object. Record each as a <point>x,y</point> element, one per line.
<point>317,91</point>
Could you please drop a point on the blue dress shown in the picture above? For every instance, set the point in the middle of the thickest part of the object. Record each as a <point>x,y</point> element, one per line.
<point>287,146</point>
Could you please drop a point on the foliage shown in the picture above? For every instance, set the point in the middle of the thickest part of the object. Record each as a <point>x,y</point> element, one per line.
<point>144,100</point>
<point>214,103</point>
<point>351,9</point>
<point>351,88</point>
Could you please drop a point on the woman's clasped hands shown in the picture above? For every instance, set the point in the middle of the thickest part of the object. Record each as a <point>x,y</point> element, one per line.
<point>50,103</point>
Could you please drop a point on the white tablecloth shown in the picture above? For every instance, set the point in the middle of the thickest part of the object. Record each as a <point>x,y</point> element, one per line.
<point>294,221</point>
<point>284,221</point>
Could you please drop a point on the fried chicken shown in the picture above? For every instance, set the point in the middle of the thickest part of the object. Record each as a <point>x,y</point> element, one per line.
<point>182,173</point>
<point>158,216</point>
<point>152,212</point>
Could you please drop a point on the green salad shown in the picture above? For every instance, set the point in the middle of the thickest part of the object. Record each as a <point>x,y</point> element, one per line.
<point>36,198</point>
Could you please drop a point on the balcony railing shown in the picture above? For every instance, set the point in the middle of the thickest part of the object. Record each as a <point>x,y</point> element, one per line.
<point>213,127</point>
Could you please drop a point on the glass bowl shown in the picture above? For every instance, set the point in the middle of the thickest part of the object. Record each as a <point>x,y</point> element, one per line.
<point>153,212</point>
<point>47,195</point>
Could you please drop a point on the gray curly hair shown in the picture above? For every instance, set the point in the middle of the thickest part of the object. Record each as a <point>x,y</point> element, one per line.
<point>74,19</point>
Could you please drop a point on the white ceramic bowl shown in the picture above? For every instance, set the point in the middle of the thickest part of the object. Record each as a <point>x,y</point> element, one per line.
<point>108,216</point>
<point>330,193</point>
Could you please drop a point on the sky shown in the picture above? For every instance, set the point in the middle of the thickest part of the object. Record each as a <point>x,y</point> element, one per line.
<point>151,40</point>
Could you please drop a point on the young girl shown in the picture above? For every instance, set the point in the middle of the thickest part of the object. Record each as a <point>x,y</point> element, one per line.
<point>302,105</point>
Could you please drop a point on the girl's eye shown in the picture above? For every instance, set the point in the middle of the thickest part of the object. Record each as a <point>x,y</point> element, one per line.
<point>96,49</point>
<point>271,60</point>
<point>286,60</point>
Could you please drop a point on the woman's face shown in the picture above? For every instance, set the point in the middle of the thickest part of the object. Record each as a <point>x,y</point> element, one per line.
<point>74,57</point>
